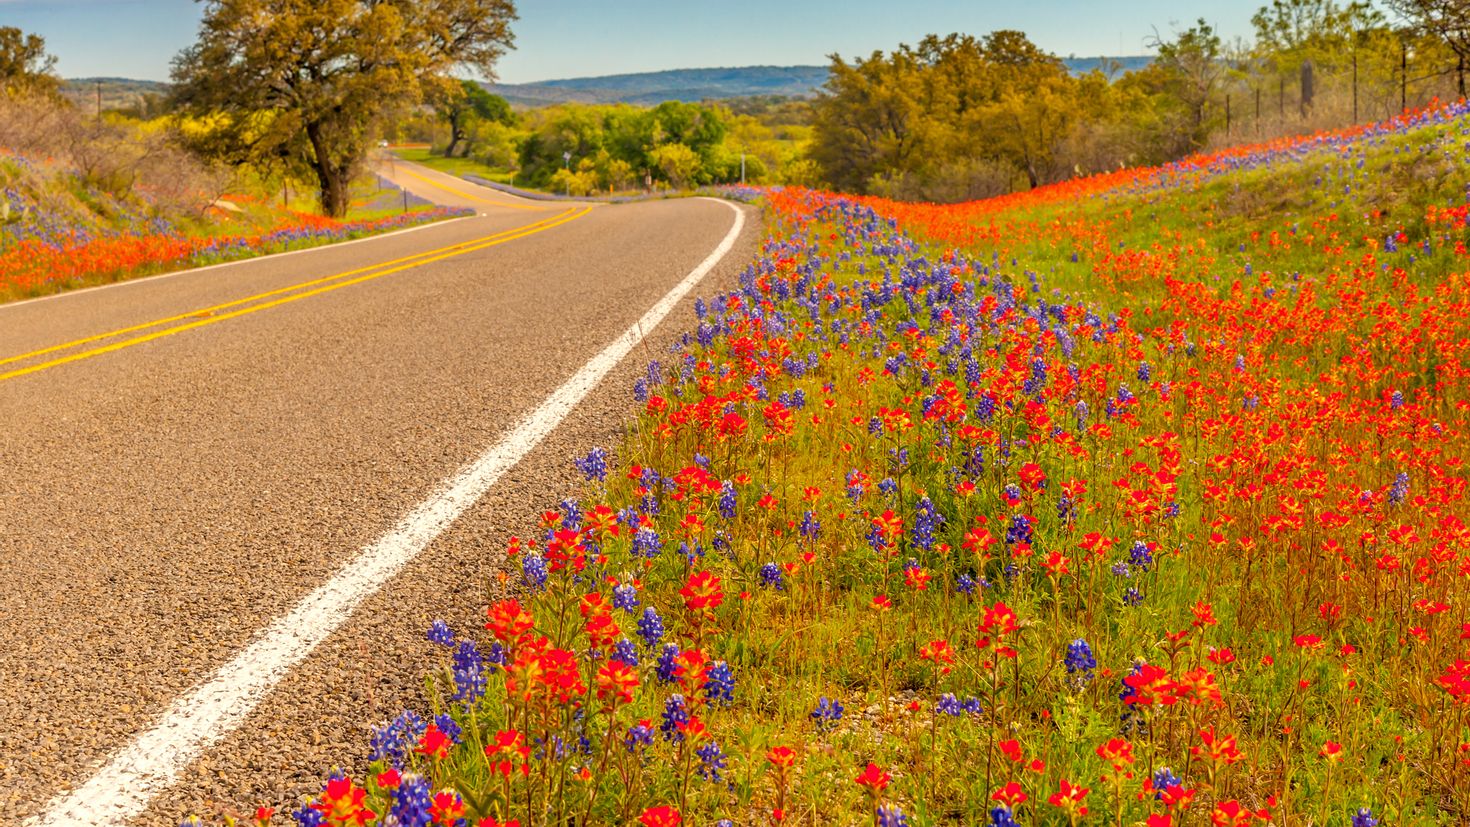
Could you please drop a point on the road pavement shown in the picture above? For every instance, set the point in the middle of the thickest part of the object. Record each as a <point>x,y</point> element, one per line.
<point>168,493</point>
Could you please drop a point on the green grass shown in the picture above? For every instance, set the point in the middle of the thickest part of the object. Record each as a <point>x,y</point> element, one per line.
<point>456,166</point>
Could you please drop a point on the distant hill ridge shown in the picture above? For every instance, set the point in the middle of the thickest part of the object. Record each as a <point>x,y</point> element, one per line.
<point>117,93</point>
<point>644,88</point>
<point>650,88</point>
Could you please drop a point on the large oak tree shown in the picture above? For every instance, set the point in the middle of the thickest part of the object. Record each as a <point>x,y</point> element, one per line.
<point>306,82</point>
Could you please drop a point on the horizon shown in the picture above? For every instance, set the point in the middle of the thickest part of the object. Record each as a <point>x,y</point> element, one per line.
<point>572,39</point>
<point>676,70</point>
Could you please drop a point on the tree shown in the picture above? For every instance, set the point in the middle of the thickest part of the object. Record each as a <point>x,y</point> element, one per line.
<point>1290,31</point>
<point>1298,37</point>
<point>1192,68</point>
<point>1445,20</point>
<point>871,119</point>
<point>307,82</point>
<point>1034,105</point>
<point>679,163</point>
<point>25,68</point>
<point>462,103</point>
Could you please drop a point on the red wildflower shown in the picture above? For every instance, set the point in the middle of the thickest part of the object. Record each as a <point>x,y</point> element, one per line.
<point>1069,798</point>
<point>1232,814</point>
<point>1117,752</point>
<point>509,753</point>
<point>783,758</point>
<point>448,807</point>
<point>702,592</point>
<point>874,778</point>
<point>940,653</point>
<point>434,743</point>
<point>660,817</point>
<point>342,804</point>
<point>615,682</point>
<point>1009,795</point>
<point>508,620</point>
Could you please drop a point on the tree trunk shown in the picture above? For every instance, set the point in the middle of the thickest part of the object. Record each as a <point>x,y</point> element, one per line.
<point>332,179</point>
<point>456,133</point>
<point>334,192</point>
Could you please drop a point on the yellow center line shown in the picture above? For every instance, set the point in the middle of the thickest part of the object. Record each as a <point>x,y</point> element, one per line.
<point>461,193</point>
<point>269,293</point>
<point>457,250</point>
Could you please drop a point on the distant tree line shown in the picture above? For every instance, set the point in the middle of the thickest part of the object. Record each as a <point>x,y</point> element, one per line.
<point>583,148</point>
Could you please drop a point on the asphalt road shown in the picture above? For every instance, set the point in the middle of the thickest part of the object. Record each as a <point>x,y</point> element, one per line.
<point>166,495</point>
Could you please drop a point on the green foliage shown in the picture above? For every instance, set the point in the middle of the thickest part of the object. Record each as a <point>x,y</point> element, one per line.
<point>681,144</point>
<point>307,84</point>
<point>953,116</point>
<point>1289,32</point>
<point>25,68</point>
<point>677,162</point>
<point>1446,22</point>
<point>466,106</point>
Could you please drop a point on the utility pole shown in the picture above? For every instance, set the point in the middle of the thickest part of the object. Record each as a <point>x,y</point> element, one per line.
<point>742,169</point>
<point>99,99</point>
<point>1227,114</point>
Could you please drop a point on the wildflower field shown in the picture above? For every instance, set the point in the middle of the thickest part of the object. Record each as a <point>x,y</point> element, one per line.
<point>58,233</point>
<point>1138,499</point>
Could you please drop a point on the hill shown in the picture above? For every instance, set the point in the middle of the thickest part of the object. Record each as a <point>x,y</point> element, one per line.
<point>646,88</point>
<point>690,85</point>
<point>675,84</point>
<point>117,93</point>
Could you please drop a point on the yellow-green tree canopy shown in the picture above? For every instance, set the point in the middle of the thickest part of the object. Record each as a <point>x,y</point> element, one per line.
<point>25,68</point>
<point>328,70</point>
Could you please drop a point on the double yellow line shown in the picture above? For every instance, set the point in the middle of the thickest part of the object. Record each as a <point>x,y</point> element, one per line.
<point>214,314</point>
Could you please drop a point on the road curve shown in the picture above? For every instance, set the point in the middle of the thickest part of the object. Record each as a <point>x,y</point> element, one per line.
<point>165,499</point>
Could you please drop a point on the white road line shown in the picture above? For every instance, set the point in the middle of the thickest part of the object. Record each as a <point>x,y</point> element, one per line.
<point>124,786</point>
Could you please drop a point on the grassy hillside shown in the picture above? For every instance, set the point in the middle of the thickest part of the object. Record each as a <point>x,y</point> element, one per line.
<point>95,203</point>
<point>1138,499</point>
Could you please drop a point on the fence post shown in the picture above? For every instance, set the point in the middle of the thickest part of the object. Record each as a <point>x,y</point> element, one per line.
<point>1309,88</point>
<point>1403,76</point>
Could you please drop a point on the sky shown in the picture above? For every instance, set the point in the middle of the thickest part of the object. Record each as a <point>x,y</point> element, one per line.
<point>580,38</point>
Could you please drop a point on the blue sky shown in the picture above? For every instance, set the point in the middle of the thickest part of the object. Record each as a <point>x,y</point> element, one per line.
<point>575,38</point>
